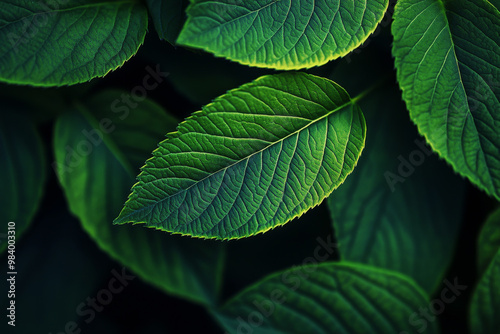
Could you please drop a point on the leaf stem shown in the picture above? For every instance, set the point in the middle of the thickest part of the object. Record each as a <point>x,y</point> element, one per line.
<point>371,89</point>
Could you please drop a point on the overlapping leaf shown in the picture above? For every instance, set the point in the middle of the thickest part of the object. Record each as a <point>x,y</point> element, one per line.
<point>399,209</point>
<point>22,171</point>
<point>168,17</point>
<point>99,148</point>
<point>448,63</point>
<point>56,272</point>
<point>281,34</point>
<point>485,303</point>
<point>341,298</point>
<point>252,160</point>
<point>488,241</point>
<point>67,42</point>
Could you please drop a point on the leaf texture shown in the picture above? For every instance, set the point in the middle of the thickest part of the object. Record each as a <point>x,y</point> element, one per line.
<point>341,298</point>
<point>254,159</point>
<point>448,66</point>
<point>97,165</point>
<point>280,34</point>
<point>485,301</point>
<point>67,42</point>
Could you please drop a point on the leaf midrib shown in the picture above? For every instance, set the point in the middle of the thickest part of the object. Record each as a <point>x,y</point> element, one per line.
<point>352,101</point>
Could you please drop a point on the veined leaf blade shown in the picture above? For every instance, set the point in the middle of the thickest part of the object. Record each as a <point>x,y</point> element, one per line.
<point>96,181</point>
<point>280,34</point>
<point>252,160</point>
<point>485,301</point>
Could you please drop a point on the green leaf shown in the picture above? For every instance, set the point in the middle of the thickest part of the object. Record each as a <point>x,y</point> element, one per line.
<point>67,42</point>
<point>485,303</point>
<point>448,65</point>
<point>399,209</point>
<point>22,171</point>
<point>343,298</point>
<point>96,175</point>
<point>280,34</point>
<point>168,17</point>
<point>488,241</point>
<point>252,160</point>
<point>251,259</point>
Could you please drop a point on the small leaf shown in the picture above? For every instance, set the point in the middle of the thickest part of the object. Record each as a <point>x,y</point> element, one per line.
<point>399,209</point>
<point>485,303</point>
<point>280,34</point>
<point>168,17</point>
<point>488,241</point>
<point>99,148</point>
<point>22,172</point>
<point>448,66</point>
<point>252,160</point>
<point>341,298</point>
<point>67,42</point>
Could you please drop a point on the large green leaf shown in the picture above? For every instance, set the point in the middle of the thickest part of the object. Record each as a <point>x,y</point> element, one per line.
<point>341,298</point>
<point>281,34</point>
<point>22,171</point>
<point>252,160</point>
<point>448,64</point>
<point>399,209</point>
<point>96,184</point>
<point>67,42</point>
<point>488,241</point>
<point>168,17</point>
<point>485,303</point>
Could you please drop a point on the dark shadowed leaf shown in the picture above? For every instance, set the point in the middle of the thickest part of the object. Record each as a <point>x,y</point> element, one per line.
<point>280,34</point>
<point>400,209</point>
<point>67,42</point>
<point>168,17</point>
<point>485,303</point>
<point>97,173</point>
